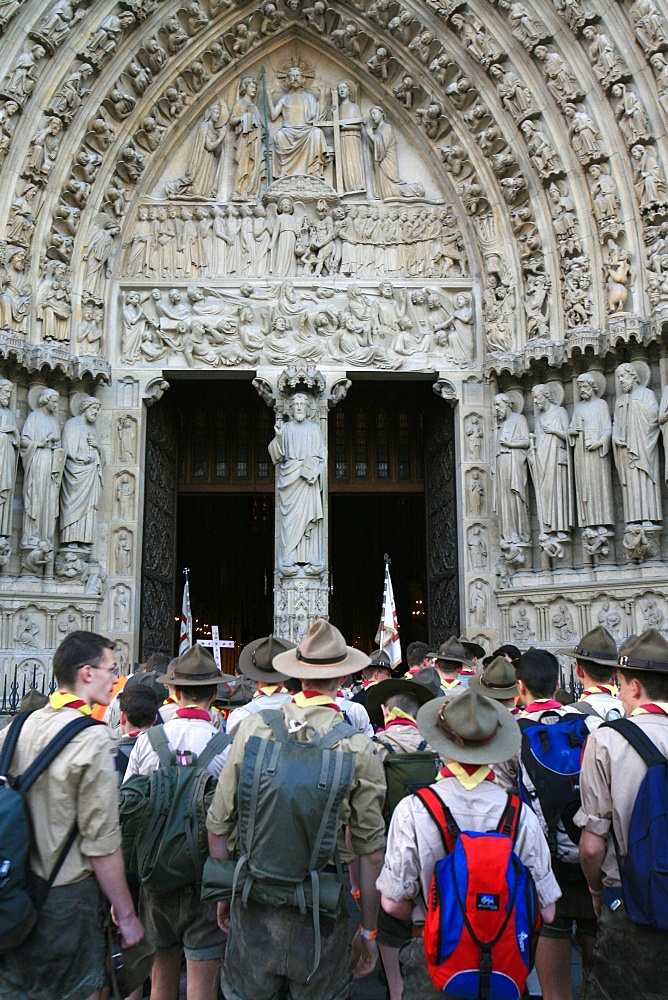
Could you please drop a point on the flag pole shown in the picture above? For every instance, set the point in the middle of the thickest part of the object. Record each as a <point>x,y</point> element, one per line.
<point>186,572</point>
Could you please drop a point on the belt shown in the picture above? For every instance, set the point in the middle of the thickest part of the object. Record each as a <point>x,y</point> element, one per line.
<point>418,931</point>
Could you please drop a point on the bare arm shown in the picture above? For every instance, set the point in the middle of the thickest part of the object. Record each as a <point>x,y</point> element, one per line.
<point>401,910</point>
<point>365,951</point>
<point>218,849</point>
<point>592,855</point>
<point>110,873</point>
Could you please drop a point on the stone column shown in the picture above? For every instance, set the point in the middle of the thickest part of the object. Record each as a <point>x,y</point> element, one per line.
<point>301,400</point>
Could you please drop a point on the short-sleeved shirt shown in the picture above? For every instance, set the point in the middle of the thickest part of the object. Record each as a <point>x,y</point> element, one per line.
<point>414,843</point>
<point>182,734</point>
<point>361,810</point>
<point>260,702</point>
<point>611,775</point>
<point>80,784</point>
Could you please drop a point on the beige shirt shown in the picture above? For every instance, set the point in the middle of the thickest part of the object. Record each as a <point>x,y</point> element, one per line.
<point>611,775</point>
<point>361,810</point>
<point>80,784</point>
<point>414,843</point>
<point>402,739</point>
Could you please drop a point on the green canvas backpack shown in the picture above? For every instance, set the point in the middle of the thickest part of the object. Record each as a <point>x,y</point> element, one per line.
<point>405,773</point>
<point>163,815</point>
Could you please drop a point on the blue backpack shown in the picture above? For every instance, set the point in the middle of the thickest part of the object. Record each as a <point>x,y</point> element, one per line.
<point>644,872</point>
<point>551,755</point>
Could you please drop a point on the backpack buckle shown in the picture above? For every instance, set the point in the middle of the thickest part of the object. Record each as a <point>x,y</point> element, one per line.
<point>294,726</point>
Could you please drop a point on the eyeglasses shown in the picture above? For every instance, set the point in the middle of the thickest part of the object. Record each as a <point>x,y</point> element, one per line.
<point>113,671</point>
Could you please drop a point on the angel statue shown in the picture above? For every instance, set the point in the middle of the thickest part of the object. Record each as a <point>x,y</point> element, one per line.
<point>286,230</point>
<point>203,176</point>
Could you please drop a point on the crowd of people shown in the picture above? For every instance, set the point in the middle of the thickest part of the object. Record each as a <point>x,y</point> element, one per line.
<point>325,779</point>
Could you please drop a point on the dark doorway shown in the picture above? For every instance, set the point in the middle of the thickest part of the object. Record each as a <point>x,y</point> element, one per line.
<point>362,528</point>
<point>227,541</point>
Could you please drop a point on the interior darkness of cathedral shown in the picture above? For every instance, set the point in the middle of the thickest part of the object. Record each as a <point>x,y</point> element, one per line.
<point>285,287</point>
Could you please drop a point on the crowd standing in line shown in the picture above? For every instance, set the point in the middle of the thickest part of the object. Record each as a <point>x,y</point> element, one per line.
<point>251,807</point>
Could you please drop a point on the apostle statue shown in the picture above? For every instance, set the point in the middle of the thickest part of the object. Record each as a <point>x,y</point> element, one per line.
<point>299,453</point>
<point>511,498</point>
<point>43,461</point>
<point>635,439</point>
<point>82,475</point>
<point>590,433</point>
<point>9,444</point>
<point>551,464</point>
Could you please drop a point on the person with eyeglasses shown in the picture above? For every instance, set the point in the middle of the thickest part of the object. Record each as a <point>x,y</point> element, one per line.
<point>64,955</point>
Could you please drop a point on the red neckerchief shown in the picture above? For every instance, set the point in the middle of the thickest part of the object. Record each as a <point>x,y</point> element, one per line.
<point>543,706</point>
<point>467,672</point>
<point>65,699</point>
<point>399,722</point>
<point>135,732</point>
<point>515,710</point>
<point>445,772</point>
<point>275,689</point>
<point>170,701</point>
<point>597,689</point>
<point>308,695</point>
<point>654,709</point>
<point>192,713</point>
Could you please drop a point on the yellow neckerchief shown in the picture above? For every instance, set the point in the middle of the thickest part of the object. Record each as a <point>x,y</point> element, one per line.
<point>302,701</point>
<point>65,699</point>
<point>469,781</point>
<point>662,705</point>
<point>268,690</point>
<point>395,714</point>
<point>598,689</point>
<point>449,685</point>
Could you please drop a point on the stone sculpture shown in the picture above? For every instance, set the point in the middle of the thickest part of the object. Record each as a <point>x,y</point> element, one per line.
<point>82,475</point>
<point>43,461</point>
<point>299,452</point>
<point>350,132</point>
<point>477,546</point>
<point>9,447</point>
<point>299,144</point>
<point>551,468</point>
<point>249,158</point>
<point>635,439</point>
<point>511,498</point>
<point>478,603</point>
<point>387,183</point>
<point>205,161</point>
<point>590,433</point>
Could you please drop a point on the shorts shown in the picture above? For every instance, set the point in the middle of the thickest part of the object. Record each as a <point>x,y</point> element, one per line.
<point>627,960</point>
<point>180,920</point>
<point>574,905</point>
<point>414,973</point>
<point>393,932</point>
<point>64,956</point>
<point>270,954</point>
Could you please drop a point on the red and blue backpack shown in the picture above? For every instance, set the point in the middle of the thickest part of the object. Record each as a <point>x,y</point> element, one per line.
<point>483,917</point>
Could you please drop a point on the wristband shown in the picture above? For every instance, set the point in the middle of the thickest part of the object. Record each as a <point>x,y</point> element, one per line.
<point>355,893</point>
<point>368,935</point>
<point>595,892</point>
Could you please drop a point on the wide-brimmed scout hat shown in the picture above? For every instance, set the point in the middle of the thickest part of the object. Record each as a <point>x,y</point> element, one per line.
<point>33,699</point>
<point>379,658</point>
<point>378,694</point>
<point>234,691</point>
<point>452,651</point>
<point>430,678</point>
<point>322,653</point>
<point>470,729</point>
<point>129,967</point>
<point>597,646</point>
<point>472,648</point>
<point>195,667</point>
<point>498,680</point>
<point>649,652</point>
<point>256,659</point>
<point>148,678</point>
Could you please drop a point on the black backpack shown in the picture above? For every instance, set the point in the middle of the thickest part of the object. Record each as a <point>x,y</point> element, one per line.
<point>19,907</point>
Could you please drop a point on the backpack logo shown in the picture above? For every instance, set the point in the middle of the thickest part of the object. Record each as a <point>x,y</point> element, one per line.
<point>487,901</point>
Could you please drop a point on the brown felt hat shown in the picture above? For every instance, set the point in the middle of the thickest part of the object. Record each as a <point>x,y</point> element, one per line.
<point>597,646</point>
<point>648,652</point>
<point>321,654</point>
<point>470,729</point>
<point>33,699</point>
<point>452,651</point>
<point>498,680</point>
<point>472,648</point>
<point>379,658</point>
<point>194,667</point>
<point>256,659</point>
<point>378,694</point>
<point>430,678</point>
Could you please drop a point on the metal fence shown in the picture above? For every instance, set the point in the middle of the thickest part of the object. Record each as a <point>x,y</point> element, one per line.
<point>14,689</point>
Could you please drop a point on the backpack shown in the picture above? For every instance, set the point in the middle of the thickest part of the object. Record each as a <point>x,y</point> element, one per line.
<point>483,917</point>
<point>644,872</point>
<point>551,755</point>
<point>163,815</point>
<point>406,772</point>
<point>19,906</point>
<point>291,787</point>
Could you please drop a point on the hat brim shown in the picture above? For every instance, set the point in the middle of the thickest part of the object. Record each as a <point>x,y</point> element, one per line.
<point>184,681</point>
<point>464,662</point>
<point>505,745</point>
<point>377,695</point>
<point>475,683</point>
<point>473,648</point>
<point>290,665</point>
<point>249,669</point>
<point>602,662</point>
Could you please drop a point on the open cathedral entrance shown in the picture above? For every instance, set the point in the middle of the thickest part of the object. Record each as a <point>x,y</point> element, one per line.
<point>391,488</point>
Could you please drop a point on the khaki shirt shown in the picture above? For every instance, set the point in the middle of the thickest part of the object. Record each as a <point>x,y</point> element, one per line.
<point>402,739</point>
<point>414,842</point>
<point>611,775</point>
<point>361,810</point>
<point>81,784</point>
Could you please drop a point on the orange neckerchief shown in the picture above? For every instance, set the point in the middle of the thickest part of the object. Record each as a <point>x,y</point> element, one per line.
<point>65,699</point>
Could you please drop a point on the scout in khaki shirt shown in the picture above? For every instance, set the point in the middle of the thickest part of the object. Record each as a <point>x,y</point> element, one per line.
<point>271,949</point>
<point>64,955</point>
<point>627,959</point>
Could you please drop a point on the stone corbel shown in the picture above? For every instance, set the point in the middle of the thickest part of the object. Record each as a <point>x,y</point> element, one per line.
<point>155,390</point>
<point>447,390</point>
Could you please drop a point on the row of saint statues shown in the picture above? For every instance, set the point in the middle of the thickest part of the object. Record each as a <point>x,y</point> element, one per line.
<point>62,475</point>
<point>312,133</point>
<point>570,461</point>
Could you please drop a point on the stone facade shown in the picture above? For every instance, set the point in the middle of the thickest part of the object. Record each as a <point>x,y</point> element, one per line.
<point>303,193</point>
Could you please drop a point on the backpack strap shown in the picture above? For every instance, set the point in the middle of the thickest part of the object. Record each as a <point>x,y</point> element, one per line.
<point>510,817</point>
<point>215,746</point>
<point>382,743</point>
<point>584,708</point>
<point>157,737</point>
<point>441,815</point>
<point>275,719</point>
<point>9,746</point>
<point>337,733</point>
<point>52,749</point>
<point>639,740</point>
